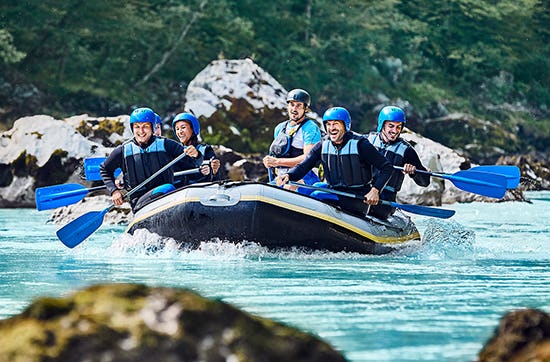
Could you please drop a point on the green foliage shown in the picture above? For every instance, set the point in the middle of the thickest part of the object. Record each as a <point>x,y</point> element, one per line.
<point>467,54</point>
<point>8,52</point>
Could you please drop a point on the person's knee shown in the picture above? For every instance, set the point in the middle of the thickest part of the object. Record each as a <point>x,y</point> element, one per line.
<point>152,195</point>
<point>381,211</point>
<point>162,189</point>
<point>323,195</point>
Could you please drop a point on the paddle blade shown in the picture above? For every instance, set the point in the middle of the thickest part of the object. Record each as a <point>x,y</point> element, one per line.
<point>51,197</point>
<point>425,210</point>
<point>481,183</point>
<point>91,168</point>
<point>512,173</point>
<point>79,229</point>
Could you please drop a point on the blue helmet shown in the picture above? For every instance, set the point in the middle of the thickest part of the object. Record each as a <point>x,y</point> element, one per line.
<point>337,114</point>
<point>142,115</point>
<point>392,114</point>
<point>158,120</point>
<point>187,117</point>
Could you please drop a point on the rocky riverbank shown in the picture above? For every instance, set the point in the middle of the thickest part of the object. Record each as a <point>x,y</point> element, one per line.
<point>237,102</point>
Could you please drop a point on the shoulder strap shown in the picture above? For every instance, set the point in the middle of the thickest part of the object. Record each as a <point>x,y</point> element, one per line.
<point>293,132</point>
<point>284,127</point>
<point>201,147</point>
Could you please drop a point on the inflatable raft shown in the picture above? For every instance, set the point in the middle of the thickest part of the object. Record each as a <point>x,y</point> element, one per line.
<point>270,216</point>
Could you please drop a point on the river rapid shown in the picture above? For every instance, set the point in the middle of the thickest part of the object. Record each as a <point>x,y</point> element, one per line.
<point>436,302</point>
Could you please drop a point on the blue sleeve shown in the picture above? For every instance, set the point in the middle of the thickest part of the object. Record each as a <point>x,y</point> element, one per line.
<point>311,133</point>
<point>312,159</point>
<point>278,129</point>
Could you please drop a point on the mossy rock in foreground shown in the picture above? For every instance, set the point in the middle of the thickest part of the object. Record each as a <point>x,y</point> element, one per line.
<point>128,322</point>
<point>522,335</point>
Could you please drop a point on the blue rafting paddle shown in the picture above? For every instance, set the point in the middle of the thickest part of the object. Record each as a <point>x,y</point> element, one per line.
<point>421,210</point>
<point>481,183</point>
<point>80,228</point>
<point>512,173</point>
<point>51,197</point>
<point>91,168</point>
<point>414,209</point>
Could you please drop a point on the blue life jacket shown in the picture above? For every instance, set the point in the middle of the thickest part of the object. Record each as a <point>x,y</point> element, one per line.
<point>395,153</point>
<point>140,164</point>
<point>343,166</point>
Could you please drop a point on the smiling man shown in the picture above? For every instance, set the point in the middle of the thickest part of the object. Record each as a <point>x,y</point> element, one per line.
<point>347,159</point>
<point>142,156</point>
<point>399,152</point>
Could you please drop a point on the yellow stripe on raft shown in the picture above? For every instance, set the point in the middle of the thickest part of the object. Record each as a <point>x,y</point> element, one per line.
<point>292,207</point>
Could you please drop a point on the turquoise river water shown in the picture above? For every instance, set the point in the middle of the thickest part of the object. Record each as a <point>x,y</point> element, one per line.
<point>437,302</point>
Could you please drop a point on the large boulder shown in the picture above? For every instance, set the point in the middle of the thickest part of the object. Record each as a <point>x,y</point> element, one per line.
<point>41,151</point>
<point>127,322</point>
<point>238,103</point>
<point>483,139</point>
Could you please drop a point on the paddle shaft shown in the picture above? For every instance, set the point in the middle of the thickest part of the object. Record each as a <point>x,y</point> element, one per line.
<point>176,174</point>
<point>332,191</point>
<point>343,193</point>
<point>452,177</point>
<point>91,168</point>
<point>152,177</point>
<point>415,209</point>
<point>43,198</point>
<point>481,183</point>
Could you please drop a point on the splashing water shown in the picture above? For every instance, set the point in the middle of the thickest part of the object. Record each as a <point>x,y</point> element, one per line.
<point>447,239</point>
<point>144,242</point>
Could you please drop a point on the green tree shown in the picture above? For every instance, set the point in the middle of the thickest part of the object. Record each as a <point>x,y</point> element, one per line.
<point>8,52</point>
<point>467,54</point>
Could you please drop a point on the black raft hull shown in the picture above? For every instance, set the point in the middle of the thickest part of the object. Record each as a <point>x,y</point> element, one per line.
<point>270,216</point>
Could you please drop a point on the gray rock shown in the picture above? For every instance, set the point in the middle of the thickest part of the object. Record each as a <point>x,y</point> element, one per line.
<point>42,151</point>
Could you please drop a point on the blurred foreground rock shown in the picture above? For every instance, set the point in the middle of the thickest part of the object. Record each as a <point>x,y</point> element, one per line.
<point>126,322</point>
<point>522,336</point>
